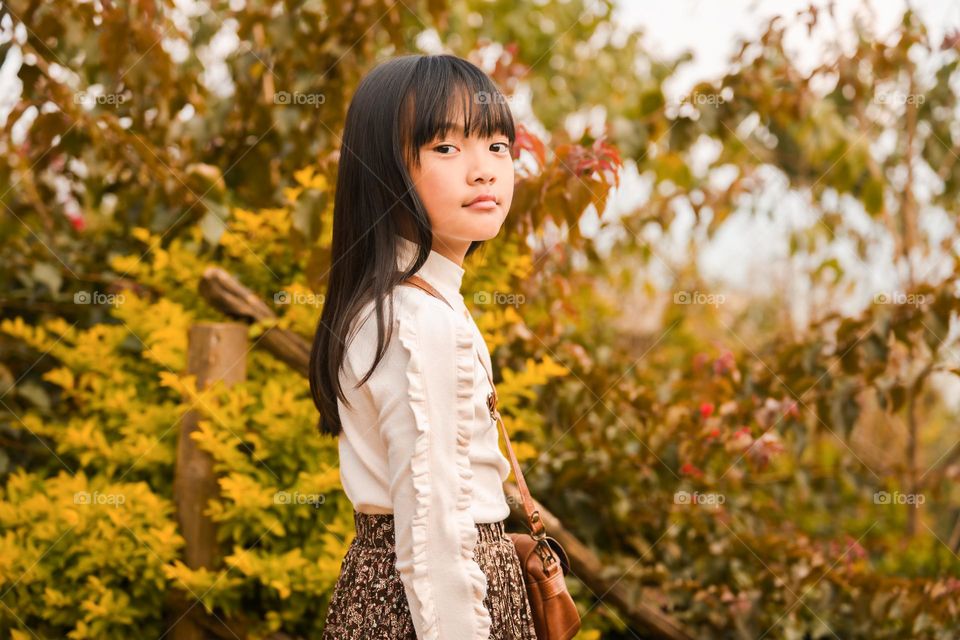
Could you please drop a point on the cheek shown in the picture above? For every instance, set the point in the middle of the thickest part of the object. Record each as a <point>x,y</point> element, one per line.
<point>435,175</point>
<point>433,186</point>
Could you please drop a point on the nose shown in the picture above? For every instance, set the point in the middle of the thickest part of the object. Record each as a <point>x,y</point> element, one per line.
<point>486,178</point>
<point>481,170</point>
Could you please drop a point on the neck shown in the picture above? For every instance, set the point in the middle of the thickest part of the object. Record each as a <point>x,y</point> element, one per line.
<point>452,250</point>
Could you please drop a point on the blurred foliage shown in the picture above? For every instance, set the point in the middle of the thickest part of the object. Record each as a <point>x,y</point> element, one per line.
<point>735,470</point>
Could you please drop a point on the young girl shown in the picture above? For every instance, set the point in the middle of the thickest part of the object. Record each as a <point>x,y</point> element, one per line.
<point>425,176</point>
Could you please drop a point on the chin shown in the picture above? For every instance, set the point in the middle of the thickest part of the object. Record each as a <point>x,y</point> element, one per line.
<point>474,227</point>
<point>487,232</point>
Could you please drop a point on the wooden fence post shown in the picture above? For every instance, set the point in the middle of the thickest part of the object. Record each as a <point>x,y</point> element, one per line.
<point>216,351</point>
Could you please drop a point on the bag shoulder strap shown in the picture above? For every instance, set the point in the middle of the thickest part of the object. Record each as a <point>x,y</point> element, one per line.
<point>532,513</point>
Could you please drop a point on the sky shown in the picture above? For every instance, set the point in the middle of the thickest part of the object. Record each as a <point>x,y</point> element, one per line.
<point>751,254</point>
<point>710,28</point>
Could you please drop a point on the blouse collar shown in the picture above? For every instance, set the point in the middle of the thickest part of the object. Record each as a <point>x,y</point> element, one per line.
<point>443,273</point>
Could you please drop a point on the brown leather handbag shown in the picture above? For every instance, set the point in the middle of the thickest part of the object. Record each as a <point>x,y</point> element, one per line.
<point>542,558</point>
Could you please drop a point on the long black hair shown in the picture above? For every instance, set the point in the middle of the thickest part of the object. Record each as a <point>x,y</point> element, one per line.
<point>399,106</point>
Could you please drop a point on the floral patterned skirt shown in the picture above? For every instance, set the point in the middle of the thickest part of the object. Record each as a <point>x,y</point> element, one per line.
<point>369,600</point>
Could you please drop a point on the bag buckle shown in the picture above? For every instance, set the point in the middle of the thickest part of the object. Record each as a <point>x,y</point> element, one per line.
<point>547,559</point>
<point>492,405</point>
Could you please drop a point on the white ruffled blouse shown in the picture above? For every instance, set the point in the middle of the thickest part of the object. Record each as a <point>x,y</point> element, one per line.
<point>419,442</point>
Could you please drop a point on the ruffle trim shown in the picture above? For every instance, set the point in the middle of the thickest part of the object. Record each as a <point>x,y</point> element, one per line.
<point>421,475</point>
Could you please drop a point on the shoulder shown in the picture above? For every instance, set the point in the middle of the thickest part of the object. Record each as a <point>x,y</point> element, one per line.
<point>411,306</point>
<point>427,322</point>
<point>420,322</point>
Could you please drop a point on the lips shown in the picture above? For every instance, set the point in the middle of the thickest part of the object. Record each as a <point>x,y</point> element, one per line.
<point>487,197</point>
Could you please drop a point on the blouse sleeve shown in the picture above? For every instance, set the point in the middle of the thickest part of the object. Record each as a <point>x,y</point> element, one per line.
<point>424,412</point>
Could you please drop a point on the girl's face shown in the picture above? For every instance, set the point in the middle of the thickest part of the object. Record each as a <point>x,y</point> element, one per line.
<point>453,172</point>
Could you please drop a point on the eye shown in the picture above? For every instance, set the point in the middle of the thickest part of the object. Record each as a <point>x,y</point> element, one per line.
<point>505,145</point>
<point>441,146</point>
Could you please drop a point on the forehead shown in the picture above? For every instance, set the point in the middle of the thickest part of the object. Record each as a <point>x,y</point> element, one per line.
<point>458,111</point>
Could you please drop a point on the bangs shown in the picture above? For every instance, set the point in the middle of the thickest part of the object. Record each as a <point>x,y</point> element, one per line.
<point>446,93</point>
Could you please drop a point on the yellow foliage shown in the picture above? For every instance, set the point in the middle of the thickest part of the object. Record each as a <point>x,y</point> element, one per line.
<point>280,572</point>
<point>161,327</point>
<point>200,581</point>
<point>325,240</point>
<point>60,376</point>
<point>520,384</point>
<point>142,234</point>
<point>322,481</point>
<point>291,194</point>
<point>36,337</point>
<point>185,384</point>
<point>174,270</point>
<point>523,450</point>
<point>69,529</point>
<point>300,307</point>
<point>246,493</point>
<point>258,239</point>
<point>306,179</point>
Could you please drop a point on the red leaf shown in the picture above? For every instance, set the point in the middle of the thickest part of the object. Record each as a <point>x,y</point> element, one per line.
<point>527,140</point>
